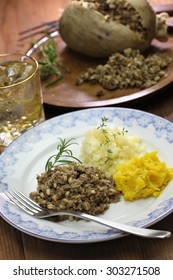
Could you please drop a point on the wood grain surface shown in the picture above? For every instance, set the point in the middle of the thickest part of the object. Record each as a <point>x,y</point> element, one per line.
<point>16,16</point>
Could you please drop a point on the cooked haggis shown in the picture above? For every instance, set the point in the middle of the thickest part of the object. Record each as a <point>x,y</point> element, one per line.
<point>75,187</point>
<point>128,70</point>
<point>120,11</point>
<point>99,28</point>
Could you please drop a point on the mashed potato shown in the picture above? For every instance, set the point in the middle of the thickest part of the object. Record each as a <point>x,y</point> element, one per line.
<point>142,177</point>
<point>104,148</point>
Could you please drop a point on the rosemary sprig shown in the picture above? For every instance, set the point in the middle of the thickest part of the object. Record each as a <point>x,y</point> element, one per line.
<point>63,156</point>
<point>50,64</point>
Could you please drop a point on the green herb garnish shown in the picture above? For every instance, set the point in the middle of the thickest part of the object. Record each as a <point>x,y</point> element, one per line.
<point>63,156</point>
<point>124,131</point>
<point>109,153</point>
<point>103,123</point>
<point>103,128</point>
<point>50,65</point>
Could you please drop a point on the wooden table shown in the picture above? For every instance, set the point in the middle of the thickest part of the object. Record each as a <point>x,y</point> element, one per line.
<point>16,16</point>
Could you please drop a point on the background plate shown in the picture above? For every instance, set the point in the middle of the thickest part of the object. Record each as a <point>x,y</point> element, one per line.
<point>26,157</point>
<point>67,94</point>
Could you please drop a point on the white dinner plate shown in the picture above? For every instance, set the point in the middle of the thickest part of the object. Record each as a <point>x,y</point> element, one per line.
<point>26,157</point>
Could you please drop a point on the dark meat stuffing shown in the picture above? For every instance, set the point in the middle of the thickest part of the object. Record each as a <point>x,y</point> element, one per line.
<point>120,11</point>
<point>129,69</point>
<point>75,187</point>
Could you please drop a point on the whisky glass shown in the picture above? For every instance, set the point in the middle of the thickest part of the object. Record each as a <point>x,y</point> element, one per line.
<point>21,103</point>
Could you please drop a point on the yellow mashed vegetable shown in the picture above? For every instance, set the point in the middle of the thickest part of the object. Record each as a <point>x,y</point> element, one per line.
<point>107,147</point>
<point>142,177</point>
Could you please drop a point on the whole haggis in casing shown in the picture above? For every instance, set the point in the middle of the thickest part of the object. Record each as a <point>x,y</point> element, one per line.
<point>103,27</point>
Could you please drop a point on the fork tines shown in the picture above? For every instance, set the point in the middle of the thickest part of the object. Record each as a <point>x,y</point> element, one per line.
<point>45,27</point>
<point>22,201</point>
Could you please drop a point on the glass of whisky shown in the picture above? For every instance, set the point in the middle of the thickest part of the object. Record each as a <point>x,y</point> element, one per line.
<point>21,104</point>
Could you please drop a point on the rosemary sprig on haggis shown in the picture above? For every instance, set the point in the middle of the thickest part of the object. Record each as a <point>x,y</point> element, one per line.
<point>51,66</point>
<point>64,154</point>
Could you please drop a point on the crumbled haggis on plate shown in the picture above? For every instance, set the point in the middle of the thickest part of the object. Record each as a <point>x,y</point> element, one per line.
<point>75,187</point>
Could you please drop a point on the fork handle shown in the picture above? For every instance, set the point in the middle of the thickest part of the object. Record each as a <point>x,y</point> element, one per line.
<point>143,232</point>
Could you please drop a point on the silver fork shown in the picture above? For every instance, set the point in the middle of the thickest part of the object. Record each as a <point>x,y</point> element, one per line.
<point>33,209</point>
<point>43,28</point>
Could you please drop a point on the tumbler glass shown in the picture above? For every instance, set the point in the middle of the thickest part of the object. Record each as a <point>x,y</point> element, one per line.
<point>21,104</point>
